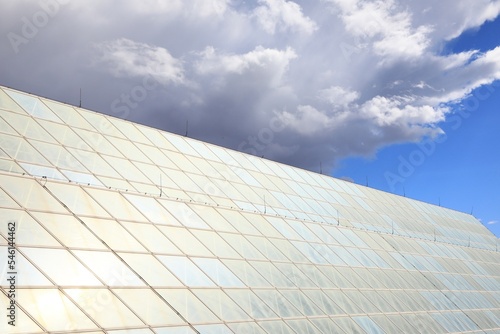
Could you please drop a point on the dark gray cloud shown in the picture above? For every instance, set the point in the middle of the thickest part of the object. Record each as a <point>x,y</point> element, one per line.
<point>305,83</point>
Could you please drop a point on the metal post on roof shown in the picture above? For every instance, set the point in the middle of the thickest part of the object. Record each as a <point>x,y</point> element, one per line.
<point>161,189</point>
<point>265,207</point>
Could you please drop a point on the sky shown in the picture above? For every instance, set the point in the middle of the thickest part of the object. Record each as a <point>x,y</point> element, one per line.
<point>400,95</point>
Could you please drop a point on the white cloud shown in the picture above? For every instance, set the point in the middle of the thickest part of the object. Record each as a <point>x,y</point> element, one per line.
<point>124,57</point>
<point>348,76</point>
<point>307,120</point>
<point>213,62</point>
<point>338,96</point>
<point>169,8</point>
<point>387,111</point>
<point>283,15</point>
<point>493,222</point>
<point>384,25</point>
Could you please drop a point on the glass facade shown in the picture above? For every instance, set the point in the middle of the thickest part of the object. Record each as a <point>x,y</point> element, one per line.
<point>121,228</point>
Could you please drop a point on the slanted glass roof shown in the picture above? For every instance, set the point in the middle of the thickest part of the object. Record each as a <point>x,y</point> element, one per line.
<point>122,228</point>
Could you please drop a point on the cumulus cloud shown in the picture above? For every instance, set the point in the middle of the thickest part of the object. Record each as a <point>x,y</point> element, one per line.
<point>342,77</point>
<point>123,57</point>
<point>212,62</point>
<point>388,28</point>
<point>283,15</point>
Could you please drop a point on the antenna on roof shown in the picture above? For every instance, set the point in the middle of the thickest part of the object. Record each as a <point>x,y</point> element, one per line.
<point>187,127</point>
<point>265,206</point>
<point>161,190</point>
<point>439,201</point>
<point>472,211</point>
<point>80,105</point>
<point>367,180</point>
<point>404,192</point>
<point>320,168</point>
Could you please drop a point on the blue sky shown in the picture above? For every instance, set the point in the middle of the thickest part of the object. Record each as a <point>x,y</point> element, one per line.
<point>461,170</point>
<point>351,85</point>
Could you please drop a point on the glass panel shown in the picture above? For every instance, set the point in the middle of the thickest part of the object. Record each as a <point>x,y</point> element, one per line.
<point>267,248</point>
<point>30,194</point>
<point>183,163</point>
<point>126,169</point>
<point>238,221</point>
<point>262,225</point>
<point>242,246</point>
<point>368,325</point>
<point>94,163</point>
<point>312,255</point>
<point>30,277</point>
<point>6,128</point>
<point>302,302</point>
<point>174,330</point>
<point>104,307</point>
<point>156,137</point>
<point>155,212</point>
<point>33,105</point>
<point>295,275</point>
<point>109,268</point>
<point>6,201</point>
<point>64,135</point>
<point>323,301</point>
<point>130,130</point>
<point>6,102</point>
<point>151,238</point>
<point>278,303</point>
<point>348,325</point>
<point>152,309</point>
<point>27,127</point>
<point>76,199</point>
<point>218,272</point>
<point>186,271</point>
<point>68,114</point>
<point>71,232</point>
<point>150,269</point>
<point>213,329</point>
<point>101,123</point>
<point>180,144</point>
<point>326,325</point>
<point>49,306</point>
<point>113,234</point>
<point>276,327</point>
<point>219,303</point>
<point>82,178</point>
<point>184,240</point>
<point>19,149</point>
<point>246,273</point>
<point>218,246</point>
<point>188,305</point>
<point>246,327</point>
<point>184,214</point>
<point>28,231</point>
<point>129,150</point>
<point>289,250</point>
<point>23,324</point>
<point>41,171</point>
<point>302,326</point>
<point>345,303</point>
<point>115,204</point>
<point>213,218</point>
<point>252,304</point>
<point>61,266</point>
<point>58,156</point>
